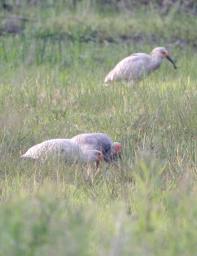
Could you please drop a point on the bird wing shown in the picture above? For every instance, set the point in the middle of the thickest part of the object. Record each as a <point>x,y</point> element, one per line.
<point>55,147</point>
<point>130,68</point>
<point>95,141</point>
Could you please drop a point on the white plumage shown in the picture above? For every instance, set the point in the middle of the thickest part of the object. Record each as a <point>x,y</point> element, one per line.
<point>82,148</point>
<point>138,65</point>
<point>64,149</point>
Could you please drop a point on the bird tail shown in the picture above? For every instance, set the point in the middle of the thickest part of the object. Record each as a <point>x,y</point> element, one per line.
<point>24,156</point>
<point>27,156</point>
<point>108,79</point>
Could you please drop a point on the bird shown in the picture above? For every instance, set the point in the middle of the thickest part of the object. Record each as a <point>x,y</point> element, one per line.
<point>64,149</point>
<point>138,65</point>
<point>99,141</point>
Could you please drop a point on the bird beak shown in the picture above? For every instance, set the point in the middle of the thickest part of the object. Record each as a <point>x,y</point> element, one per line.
<point>120,156</point>
<point>116,157</point>
<point>171,60</point>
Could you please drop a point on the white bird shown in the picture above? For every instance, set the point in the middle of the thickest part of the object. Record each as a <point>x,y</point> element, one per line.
<point>138,65</point>
<point>64,149</point>
<point>100,142</point>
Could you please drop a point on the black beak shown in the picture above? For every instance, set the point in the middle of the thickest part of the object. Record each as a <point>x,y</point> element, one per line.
<point>174,65</point>
<point>116,157</point>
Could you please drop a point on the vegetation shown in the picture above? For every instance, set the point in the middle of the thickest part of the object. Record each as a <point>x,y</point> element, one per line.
<point>52,72</point>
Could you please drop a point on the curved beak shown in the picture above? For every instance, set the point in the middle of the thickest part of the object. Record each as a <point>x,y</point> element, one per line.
<point>116,157</point>
<point>171,60</point>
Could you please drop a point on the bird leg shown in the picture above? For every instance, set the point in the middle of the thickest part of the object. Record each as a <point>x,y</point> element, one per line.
<point>98,160</point>
<point>97,163</point>
<point>97,168</point>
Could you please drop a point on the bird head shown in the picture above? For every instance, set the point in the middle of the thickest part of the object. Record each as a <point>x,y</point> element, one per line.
<point>163,53</point>
<point>116,151</point>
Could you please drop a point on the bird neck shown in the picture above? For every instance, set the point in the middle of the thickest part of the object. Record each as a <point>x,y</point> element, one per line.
<point>155,61</point>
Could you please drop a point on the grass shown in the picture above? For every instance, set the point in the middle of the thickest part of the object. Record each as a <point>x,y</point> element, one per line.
<point>146,205</point>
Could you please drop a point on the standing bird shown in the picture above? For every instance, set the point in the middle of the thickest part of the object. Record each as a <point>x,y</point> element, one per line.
<point>138,65</point>
<point>64,149</point>
<point>100,142</point>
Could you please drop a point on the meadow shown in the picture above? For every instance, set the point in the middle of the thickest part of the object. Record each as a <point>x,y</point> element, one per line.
<point>51,86</point>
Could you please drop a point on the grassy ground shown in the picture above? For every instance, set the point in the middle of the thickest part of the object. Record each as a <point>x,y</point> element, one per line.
<point>54,88</point>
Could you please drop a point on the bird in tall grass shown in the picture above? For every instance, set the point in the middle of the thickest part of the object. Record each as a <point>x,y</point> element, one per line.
<point>64,149</point>
<point>101,142</point>
<point>83,148</point>
<point>138,65</point>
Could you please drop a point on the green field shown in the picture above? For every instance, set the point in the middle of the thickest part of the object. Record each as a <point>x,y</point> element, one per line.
<point>51,86</point>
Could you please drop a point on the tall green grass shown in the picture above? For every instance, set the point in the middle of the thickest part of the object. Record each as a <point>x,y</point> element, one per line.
<point>146,205</point>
